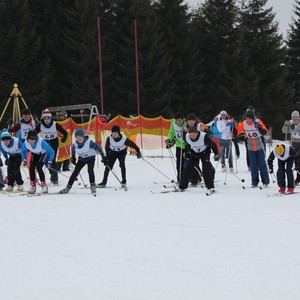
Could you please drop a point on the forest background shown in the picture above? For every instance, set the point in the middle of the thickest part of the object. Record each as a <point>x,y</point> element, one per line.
<point>225,54</point>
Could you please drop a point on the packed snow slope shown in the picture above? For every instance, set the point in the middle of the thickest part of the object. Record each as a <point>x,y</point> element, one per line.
<point>237,244</point>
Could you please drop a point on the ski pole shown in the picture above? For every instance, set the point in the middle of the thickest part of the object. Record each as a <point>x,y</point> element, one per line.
<point>198,171</point>
<point>157,169</point>
<point>60,173</point>
<point>241,180</point>
<point>85,185</point>
<point>114,173</point>
<point>180,166</point>
<point>172,160</point>
<point>25,173</point>
<point>229,155</point>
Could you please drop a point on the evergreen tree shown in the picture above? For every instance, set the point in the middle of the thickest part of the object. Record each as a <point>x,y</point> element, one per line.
<point>217,36</point>
<point>21,57</point>
<point>153,61</point>
<point>185,83</point>
<point>118,57</point>
<point>293,43</point>
<point>119,65</point>
<point>80,51</point>
<point>267,55</point>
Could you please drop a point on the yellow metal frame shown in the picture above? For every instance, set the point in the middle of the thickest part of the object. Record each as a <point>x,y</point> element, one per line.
<point>15,94</point>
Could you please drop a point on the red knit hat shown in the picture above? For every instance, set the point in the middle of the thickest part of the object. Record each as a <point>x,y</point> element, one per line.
<point>46,114</point>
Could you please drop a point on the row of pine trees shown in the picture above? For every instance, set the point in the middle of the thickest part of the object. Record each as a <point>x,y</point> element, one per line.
<point>224,54</point>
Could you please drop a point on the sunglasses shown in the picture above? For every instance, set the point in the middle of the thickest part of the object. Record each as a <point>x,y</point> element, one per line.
<point>47,118</point>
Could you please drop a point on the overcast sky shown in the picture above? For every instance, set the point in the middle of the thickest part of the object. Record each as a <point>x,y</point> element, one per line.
<point>282,8</point>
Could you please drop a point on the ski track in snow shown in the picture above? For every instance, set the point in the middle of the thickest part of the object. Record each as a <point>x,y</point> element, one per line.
<point>235,244</point>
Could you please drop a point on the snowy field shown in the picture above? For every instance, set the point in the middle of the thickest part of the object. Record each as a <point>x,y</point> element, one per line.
<point>238,244</point>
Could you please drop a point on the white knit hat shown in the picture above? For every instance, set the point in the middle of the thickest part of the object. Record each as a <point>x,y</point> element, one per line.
<point>295,114</point>
<point>223,112</point>
<point>46,113</point>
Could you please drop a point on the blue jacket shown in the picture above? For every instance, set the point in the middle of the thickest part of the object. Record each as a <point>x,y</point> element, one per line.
<point>45,146</point>
<point>214,131</point>
<point>6,153</point>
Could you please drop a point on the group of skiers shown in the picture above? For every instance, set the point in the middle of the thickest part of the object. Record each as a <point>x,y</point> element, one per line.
<point>194,142</point>
<point>35,151</point>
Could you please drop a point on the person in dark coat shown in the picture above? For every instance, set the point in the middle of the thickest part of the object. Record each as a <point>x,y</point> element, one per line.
<point>49,130</point>
<point>116,148</point>
<point>199,146</point>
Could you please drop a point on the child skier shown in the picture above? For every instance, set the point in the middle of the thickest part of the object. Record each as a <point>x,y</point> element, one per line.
<point>41,154</point>
<point>86,151</point>
<point>175,135</point>
<point>11,150</point>
<point>49,129</point>
<point>285,154</point>
<point>116,148</point>
<point>26,124</point>
<point>199,145</point>
<point>293,127</point>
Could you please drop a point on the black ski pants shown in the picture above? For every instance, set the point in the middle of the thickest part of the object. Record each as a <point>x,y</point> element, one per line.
<point>112,157</point>
<point>79,165</point>
<point>208,170</point>
<point>14,170</point>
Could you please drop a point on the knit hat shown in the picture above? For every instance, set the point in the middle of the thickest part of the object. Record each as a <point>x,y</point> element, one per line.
<point>223,112</point>
<point>79,132</point>
<point>32,135</point>
<point>46,114</point>
<point>5,135</point>
<point>279,149</point>
<point>115,128</point>
<point>295,114</point>
<point>250,114</point>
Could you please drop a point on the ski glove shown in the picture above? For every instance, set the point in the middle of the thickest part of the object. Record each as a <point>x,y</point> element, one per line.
<point>139,155</point>
<point>24,163</point>
<point>49,165</point>
<point>217,157</point>
<point>104,160</point>
<point>63,140</point>
<point>170,144</point>
<point>73,160</point>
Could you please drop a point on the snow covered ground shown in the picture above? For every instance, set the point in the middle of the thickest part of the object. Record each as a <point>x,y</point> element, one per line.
<point>236,244</point>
